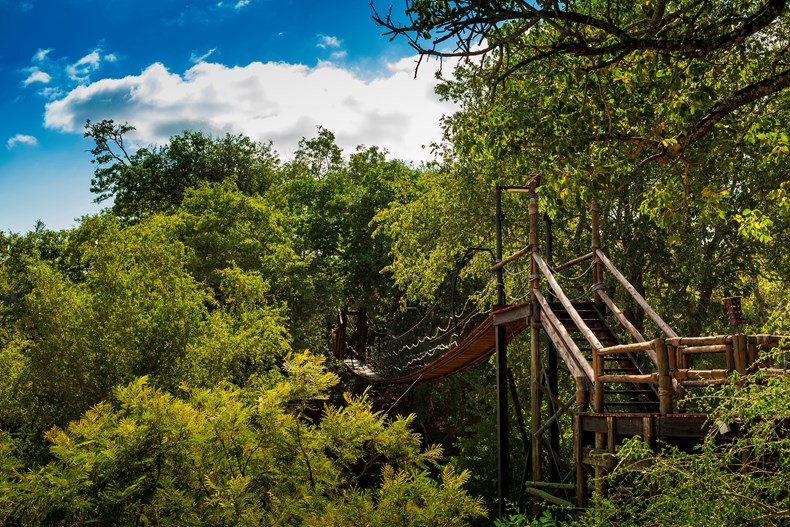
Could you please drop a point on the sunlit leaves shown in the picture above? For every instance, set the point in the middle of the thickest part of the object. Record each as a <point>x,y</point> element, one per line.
<point>219,457</point>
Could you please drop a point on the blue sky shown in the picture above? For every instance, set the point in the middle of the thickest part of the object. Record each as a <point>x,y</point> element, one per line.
<point>273,70</point>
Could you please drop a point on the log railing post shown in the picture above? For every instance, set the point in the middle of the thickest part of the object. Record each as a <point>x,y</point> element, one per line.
<point>665,390</point>
<point>598,385</point>
<point>740,354</point>
<point>578,444</point>
<point>677,361</point>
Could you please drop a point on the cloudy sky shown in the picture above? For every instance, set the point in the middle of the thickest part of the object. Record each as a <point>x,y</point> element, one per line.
<point>271,69</point>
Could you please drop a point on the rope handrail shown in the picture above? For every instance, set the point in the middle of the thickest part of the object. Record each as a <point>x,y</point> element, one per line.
<point>573,357</point>
<point>473,349</point>
<point>620,316</point>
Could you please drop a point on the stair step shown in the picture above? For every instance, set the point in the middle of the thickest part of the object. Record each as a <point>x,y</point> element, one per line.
<point>630,403</point>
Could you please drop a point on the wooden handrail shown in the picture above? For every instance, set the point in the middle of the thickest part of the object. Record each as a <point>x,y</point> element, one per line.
<point>668,331</point>
<point>699,341</point>
<point>627,348</point>
<point>642,378</point>
<point>618,314</point>
<point>577,319</point>
<point>571,263</point>
<point>767,341</point>
<point>499,265</point>
<point>577,362</point>
<point>713,348</point>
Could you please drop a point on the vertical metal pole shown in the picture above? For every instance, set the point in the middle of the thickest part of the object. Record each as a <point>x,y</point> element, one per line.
<point>535,393</point>
<point>551,363</point>
<point>503,455</point>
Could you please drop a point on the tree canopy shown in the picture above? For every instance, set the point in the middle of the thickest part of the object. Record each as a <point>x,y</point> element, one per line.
<point>169,361</point>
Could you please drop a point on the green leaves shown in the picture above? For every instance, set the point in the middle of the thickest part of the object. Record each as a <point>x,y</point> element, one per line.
<point>753,224</point>
<point>735,481</point>
<point>143,181</point>
<point>216,457</point>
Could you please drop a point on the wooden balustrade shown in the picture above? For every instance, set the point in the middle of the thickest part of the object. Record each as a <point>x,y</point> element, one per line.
<point>675,368</point>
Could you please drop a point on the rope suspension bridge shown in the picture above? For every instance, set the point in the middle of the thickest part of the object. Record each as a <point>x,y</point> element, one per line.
<point>625,383</point>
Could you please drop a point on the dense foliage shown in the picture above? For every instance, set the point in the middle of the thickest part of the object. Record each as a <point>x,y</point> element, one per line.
<point>742,481</point>
<point>224,456</point>
<point>153,372</point>
<point>155,364</point>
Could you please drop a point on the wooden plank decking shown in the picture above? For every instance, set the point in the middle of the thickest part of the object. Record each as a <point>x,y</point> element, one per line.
<point>474,349</point>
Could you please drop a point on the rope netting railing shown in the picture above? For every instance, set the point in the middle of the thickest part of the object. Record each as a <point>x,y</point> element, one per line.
<point>414,337</point>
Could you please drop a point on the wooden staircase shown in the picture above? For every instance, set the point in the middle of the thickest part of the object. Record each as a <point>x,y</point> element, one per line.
<point>625,397</point>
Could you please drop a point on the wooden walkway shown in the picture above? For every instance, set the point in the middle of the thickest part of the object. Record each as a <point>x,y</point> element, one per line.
<point>478,346</point>
<point>626,383</point>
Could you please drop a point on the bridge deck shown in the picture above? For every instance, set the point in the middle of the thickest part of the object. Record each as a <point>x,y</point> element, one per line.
<point>474,349</point>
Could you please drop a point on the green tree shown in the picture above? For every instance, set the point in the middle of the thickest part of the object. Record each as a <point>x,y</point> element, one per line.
<point>221,456</point>
<point>333,202</point>
<point>735,52</point>
<point>144,180</point>
<point>679,145</point>
<point>135,310</point>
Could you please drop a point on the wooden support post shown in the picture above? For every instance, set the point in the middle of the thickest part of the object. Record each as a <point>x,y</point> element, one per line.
<point>600,480</point>
<point>648,433</point>
<point>598,388</point>
<point>503,428</point>
<point>611,434</point>
<point>536,403</point>
<point>678,361</point>
<point>664,378</point>
<point>752,355</point>
<point>740,353</point>
<point>581,394</point>
<point>578,443</point>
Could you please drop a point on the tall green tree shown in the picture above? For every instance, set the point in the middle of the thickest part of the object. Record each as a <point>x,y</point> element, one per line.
<point>333,201</point>
<point>145,180</point>
<point>681,143</point>
<point>134,309</point>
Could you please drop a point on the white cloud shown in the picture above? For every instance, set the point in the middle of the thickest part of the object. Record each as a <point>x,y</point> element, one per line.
<point>326,41</point>
<point>267,101</point>
<point>195,58</point>
<point>21,139</point>
<point>242,3</point>
<point>52,93</point>
<point>36,75</point>
<point>41,54</point>
<point>81,70</point>
<point>339,55</point>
